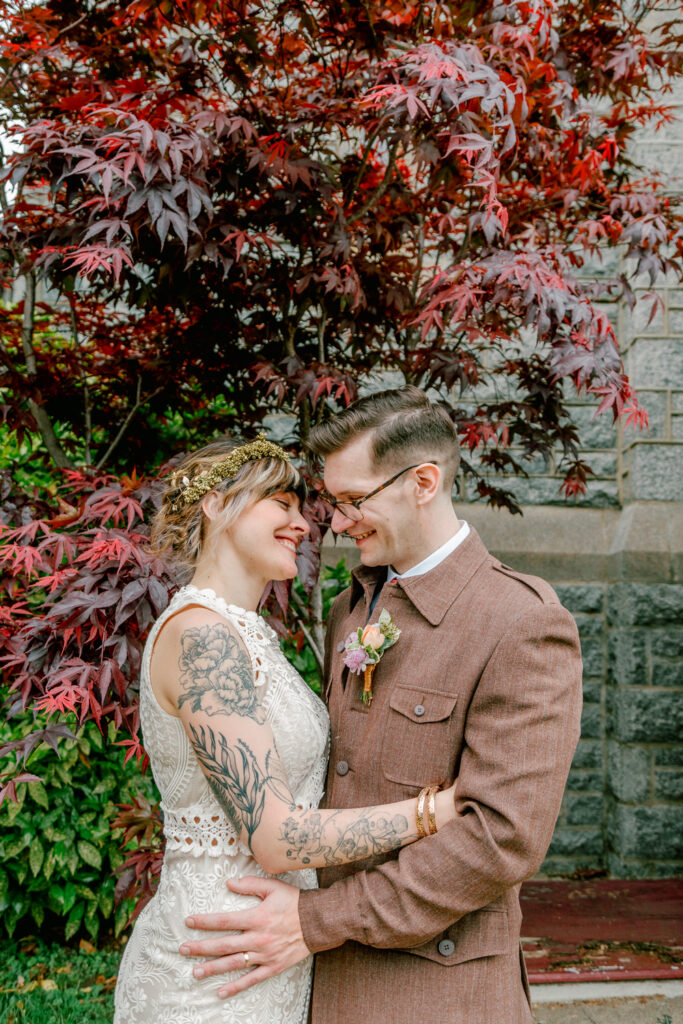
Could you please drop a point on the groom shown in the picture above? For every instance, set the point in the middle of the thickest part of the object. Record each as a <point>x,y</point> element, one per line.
<point>483,685</point>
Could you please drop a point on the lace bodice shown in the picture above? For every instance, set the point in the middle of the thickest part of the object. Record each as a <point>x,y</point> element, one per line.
<point>193,820</point>
<point>202,847</point>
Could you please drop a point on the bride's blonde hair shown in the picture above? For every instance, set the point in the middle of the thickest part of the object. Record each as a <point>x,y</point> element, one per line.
<point>179,531</point>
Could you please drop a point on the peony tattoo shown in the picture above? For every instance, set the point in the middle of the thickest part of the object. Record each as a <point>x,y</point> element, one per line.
<point>216,674</point>
<point>365,647</point>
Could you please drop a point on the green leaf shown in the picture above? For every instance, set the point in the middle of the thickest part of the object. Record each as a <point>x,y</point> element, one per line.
<point>121,918</point>
<point>36,857</point>
<point>38,912</point>
<point>38,793</point>
<point>56,896</point>
<point>73,921</point>
<point>92,920</point>
<point>106,904</point>
<point>69,896</point>
<point>90,854</point>
<point>49,865</point>
<point>13,809</point>
<point>72,859</point>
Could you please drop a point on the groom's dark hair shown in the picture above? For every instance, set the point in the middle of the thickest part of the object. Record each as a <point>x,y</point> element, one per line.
<point>403,427</point>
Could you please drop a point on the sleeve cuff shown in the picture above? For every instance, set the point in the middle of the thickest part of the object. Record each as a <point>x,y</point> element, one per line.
<point>329,917</point>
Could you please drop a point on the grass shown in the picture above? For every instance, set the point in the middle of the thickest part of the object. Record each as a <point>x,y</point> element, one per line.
<point>56,984</point>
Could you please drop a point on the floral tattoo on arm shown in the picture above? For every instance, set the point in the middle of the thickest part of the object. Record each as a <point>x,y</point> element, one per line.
<point>216,675</point>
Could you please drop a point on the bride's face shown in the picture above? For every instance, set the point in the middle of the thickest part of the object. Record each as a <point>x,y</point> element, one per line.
<point>265,537</point>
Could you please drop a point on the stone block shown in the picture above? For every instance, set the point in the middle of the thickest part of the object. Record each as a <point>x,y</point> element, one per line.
<point>644,604</point>
<point>588,754</point>
<point>647,716</point>
<point>656,363</point>
<point>603,464</point>
<point>592,652</point>
<point>676,321</point>
<point>628,772</point>
<point>560,867</point>
<point>626,658</point>
<point>584,598</point>
<point>590,625</point>
<point>617,867</point>
<point>655,405</point>
<point>677,427</point>
<point>669,784</point>
<point>675,298</point>
<point>583,809</point>
<point>587,842</point>
<point>591,721</point>
<point>652,833</point>
<point>667,673</point>
<point>641,320</point>
<point>655,471</point>
<point>666,643</point>
<point>669,756</point>
<point>592,690</point>
<point>594,431</point>
<point>581,781</point>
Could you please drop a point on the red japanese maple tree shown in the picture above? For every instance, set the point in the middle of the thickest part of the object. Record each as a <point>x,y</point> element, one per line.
<point>278,202</point>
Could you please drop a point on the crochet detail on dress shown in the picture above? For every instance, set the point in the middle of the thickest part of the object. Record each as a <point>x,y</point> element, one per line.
<point>191,830</point>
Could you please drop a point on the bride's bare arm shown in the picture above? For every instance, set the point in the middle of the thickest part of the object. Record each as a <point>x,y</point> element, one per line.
<point>217,703</point>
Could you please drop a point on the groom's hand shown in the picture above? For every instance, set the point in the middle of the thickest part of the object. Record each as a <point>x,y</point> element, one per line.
<point>269,933</point>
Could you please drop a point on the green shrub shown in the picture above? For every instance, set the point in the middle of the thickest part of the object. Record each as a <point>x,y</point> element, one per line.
<point>58,852</point>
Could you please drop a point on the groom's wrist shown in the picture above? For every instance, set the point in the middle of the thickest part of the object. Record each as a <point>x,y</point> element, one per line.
<point>328,917</point>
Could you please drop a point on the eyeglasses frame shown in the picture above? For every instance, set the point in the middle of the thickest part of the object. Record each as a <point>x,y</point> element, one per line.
<point>357,502</point>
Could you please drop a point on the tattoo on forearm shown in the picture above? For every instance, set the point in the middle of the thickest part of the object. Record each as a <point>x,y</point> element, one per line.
<point>216,674</point>
<point>237,780</point>
<point>331,842</point>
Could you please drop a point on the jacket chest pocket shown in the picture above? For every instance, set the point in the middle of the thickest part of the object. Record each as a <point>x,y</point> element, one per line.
<point>421,740</point>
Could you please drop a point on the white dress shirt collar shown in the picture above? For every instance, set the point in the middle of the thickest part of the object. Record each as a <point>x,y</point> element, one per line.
<point>436,557</point>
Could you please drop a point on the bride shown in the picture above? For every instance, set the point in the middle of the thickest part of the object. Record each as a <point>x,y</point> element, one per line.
<point>237,741</point>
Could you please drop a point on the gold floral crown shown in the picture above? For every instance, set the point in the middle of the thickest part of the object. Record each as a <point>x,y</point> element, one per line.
<point>205,481</point>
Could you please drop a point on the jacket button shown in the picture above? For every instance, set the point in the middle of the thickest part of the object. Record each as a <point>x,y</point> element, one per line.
<point>446,947</point>
<point>342,767</point>
<point>419,710</point>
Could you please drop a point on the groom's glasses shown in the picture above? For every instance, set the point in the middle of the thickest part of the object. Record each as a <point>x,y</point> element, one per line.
<point>351,508</point>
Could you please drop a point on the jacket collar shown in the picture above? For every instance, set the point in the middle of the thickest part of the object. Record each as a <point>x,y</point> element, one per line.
<point>433,593</point>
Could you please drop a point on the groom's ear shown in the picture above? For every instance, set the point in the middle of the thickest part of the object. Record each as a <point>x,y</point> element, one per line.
<point>428,481</point>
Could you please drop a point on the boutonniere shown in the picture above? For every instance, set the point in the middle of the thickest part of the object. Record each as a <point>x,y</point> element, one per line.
<point>365,647</point>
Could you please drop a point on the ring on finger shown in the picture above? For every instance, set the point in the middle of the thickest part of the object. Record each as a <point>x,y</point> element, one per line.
<point>247,962</point>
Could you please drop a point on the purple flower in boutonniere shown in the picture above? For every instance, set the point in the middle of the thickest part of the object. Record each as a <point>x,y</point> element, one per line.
<point>365,647</point>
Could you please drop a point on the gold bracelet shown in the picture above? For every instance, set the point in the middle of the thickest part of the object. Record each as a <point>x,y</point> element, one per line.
<point>431,814</point>
<point>419,813</point>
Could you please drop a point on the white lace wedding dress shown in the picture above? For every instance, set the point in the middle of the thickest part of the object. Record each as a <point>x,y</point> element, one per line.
<point>156,984</point>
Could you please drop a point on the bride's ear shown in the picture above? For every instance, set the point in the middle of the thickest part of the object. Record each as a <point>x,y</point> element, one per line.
<point>212,505</point>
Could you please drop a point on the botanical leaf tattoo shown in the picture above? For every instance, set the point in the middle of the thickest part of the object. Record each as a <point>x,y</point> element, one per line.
<point>235,778</point>
<point>216,674</point>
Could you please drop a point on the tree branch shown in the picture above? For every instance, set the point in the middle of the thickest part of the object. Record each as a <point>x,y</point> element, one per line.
<point>381,189</point>
<point>55,450</point>
<point>87,407</point>
<point>139,401</point>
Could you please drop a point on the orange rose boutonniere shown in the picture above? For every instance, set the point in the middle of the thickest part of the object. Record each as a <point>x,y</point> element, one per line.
<point>365,647</point>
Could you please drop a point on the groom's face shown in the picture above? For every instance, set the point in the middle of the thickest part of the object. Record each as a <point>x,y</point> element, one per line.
<point>386,533</point>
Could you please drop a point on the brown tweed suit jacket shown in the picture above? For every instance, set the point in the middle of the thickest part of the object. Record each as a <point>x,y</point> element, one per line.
<point>484,685</point>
